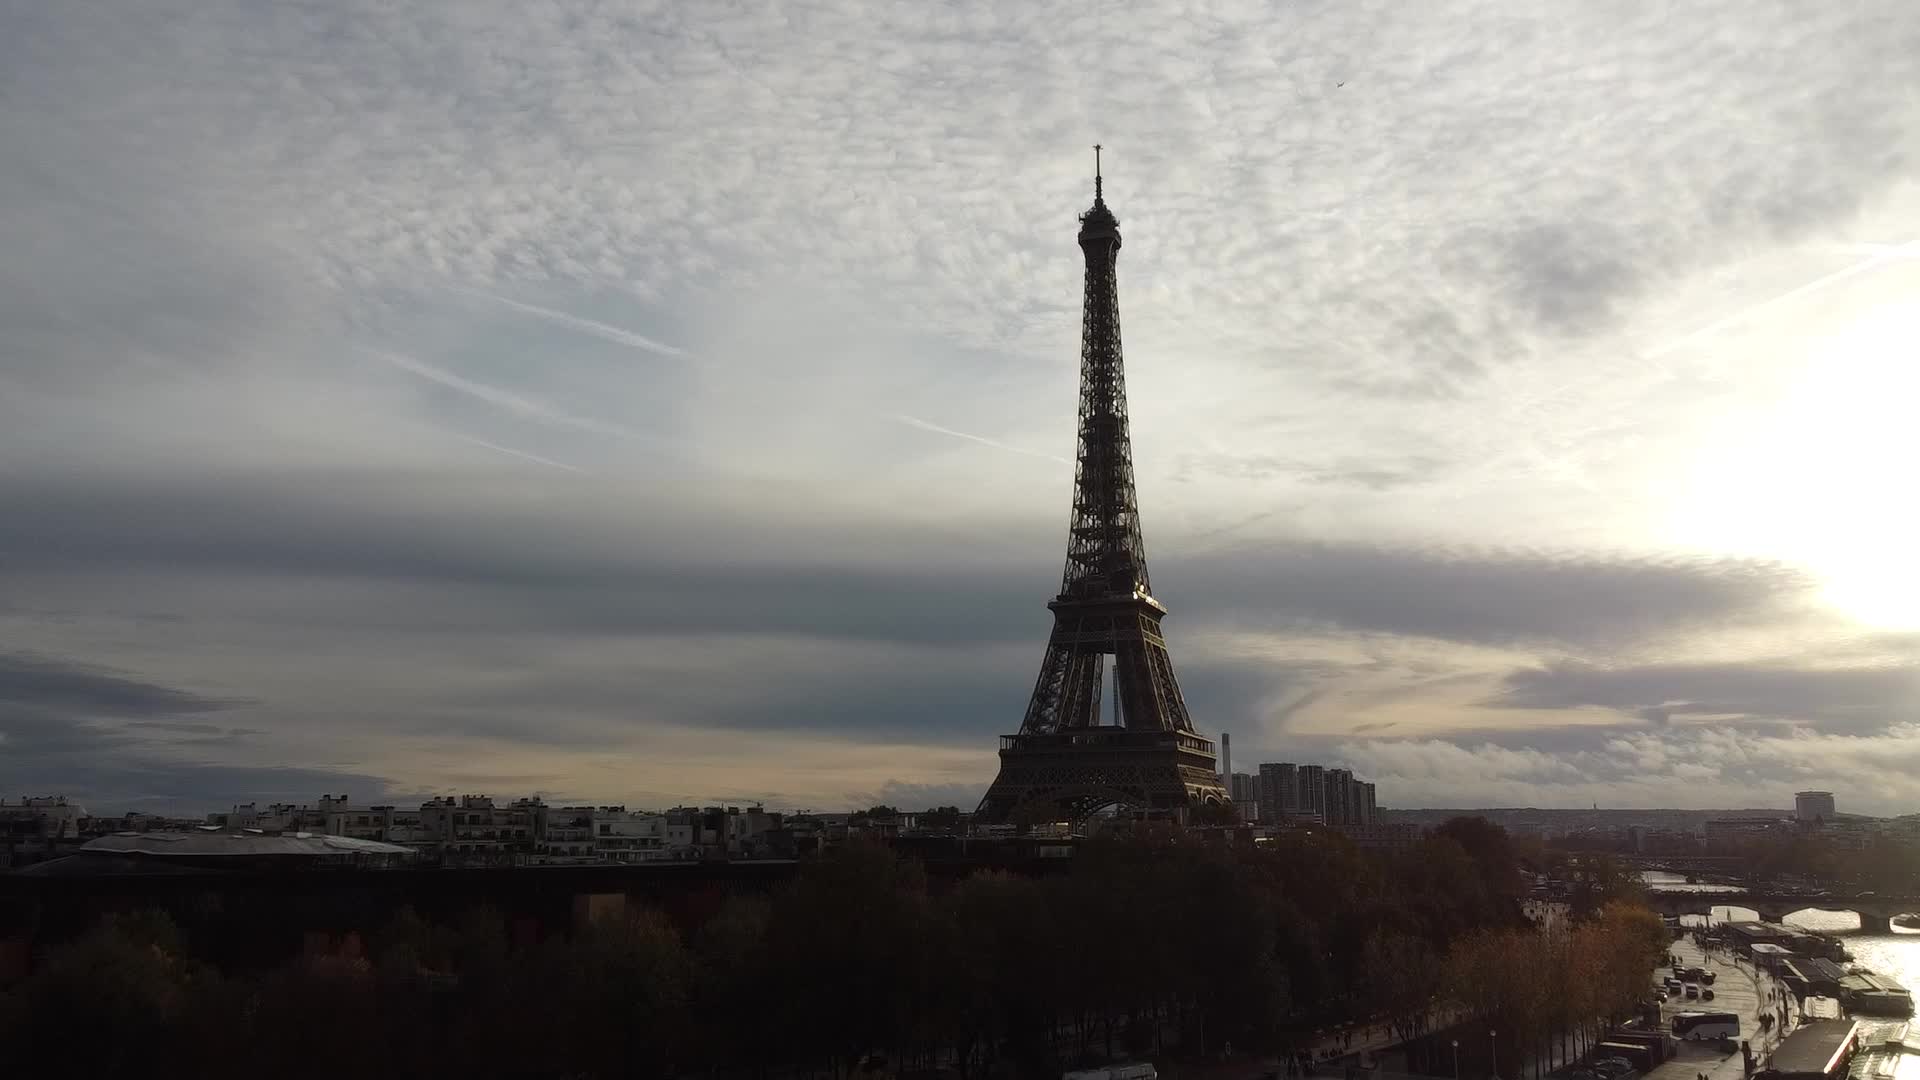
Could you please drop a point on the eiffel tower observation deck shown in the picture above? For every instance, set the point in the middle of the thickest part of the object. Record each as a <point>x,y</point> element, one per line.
<point>1072,756</point>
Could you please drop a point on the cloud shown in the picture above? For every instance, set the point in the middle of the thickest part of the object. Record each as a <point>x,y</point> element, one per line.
<point>577,322</point>
<point>493,395</point>
<point>1855,697</point>
<point>1489,596</point>
<point>53,683</point>
<point>923,425</point>
<point>923,796</point>
<point>449,614</point>
<point>113,786</point>
<point>521,454</point>
<point>1423,372</point>
<point>673,566</point>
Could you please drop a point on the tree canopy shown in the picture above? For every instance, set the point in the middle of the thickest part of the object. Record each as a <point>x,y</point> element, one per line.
<point>1155,937</point>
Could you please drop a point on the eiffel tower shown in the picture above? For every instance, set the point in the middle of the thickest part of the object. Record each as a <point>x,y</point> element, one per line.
<point>1070,757</point>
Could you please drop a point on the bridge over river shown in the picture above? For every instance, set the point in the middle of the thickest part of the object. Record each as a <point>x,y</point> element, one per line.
<point>1875,912</point>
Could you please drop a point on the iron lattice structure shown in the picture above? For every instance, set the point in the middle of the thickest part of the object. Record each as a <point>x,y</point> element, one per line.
<point>1066,762</point>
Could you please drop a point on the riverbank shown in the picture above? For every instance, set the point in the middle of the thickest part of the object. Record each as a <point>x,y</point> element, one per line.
<point>1739,988</point>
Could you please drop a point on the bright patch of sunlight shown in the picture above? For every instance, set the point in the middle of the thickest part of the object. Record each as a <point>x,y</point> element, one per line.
<point>1825,478</point>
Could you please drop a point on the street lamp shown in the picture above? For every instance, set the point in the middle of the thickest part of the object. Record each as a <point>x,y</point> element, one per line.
<point>1493,1040</point>
<point>1456,1059</point>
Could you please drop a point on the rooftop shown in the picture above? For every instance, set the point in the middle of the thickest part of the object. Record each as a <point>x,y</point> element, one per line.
<point>212,842</point>
<point>1815,1048</point>
<point>1869,982</point>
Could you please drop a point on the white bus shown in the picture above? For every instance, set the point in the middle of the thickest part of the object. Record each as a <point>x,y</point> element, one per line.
<point>1706,1025</point>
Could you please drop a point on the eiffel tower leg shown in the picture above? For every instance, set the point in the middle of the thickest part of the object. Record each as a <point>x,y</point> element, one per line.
<point>1067,693</point>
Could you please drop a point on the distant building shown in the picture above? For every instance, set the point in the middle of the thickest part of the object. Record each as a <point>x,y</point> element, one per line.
<point>566,834</point>
<point>1905,828</point>
<point>1847,831</point>
<point>622,835</point>
<point>1348,801</point>
<point>1279,790</point>
<point>1313,790</point>
<point>333,815</point>
<point>1743,829</point>
<point>1813,805</point>
<point>473,829</point>
<point>1337,796</point>
<point>38,827</point>
<point>41,817</point>
<point>1291,793</point>
<point>1240,788</point>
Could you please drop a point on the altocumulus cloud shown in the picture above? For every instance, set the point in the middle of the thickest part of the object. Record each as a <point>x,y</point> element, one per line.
<point>463,395</point>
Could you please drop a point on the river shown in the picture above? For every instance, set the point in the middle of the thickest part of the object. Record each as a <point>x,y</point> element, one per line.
<point>1896,955</point>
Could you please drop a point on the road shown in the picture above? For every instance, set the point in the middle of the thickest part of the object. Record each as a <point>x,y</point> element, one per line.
<point>1737,988</point>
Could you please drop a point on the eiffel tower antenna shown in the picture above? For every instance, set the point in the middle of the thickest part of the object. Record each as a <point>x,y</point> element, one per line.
<point>1064,765</point>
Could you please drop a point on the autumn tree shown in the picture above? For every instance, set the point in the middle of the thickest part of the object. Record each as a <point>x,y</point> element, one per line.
<point>1490,849</point>
<point>1403,974</point>
<point>1598,880</point>
<point>115,1002</point>
<point>847,930</point>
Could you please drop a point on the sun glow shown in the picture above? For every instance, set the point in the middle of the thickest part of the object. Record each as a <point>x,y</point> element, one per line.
<point>1824,475</point>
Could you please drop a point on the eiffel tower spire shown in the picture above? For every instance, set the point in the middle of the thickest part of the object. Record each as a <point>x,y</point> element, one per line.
<point>1066,762</point>
<point>1105,554</point>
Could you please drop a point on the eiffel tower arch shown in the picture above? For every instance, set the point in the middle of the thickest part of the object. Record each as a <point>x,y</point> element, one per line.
<point>1071,756</point>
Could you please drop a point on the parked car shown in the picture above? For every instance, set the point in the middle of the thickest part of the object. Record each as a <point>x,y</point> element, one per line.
<point>1660,996</point>
<point>1707,977</point>
<point>1613,1067</point>
<point>1693,992</point>
<point>1673,985</point>
<point>1706,995</point>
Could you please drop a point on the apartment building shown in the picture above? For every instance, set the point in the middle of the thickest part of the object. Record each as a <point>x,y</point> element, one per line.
<point>1300,794</point>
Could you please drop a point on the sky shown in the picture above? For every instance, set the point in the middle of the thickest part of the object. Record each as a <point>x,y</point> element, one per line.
<point>659,403</point>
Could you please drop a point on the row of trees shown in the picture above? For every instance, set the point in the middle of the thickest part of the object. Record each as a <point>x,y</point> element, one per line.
<point>1554,990</point>
<point>1154,937</point>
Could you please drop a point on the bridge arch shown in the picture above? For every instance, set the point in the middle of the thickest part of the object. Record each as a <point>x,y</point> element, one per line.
<point>1875,914</point>
<point>1874,919</point>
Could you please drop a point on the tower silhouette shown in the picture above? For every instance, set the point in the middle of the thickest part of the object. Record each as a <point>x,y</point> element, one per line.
<point>1067,761</point>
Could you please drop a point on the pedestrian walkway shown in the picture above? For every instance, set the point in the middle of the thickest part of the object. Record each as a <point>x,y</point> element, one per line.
<point>1738,988</point>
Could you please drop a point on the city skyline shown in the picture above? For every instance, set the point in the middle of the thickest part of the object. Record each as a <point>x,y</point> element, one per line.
<point>676,407</point>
